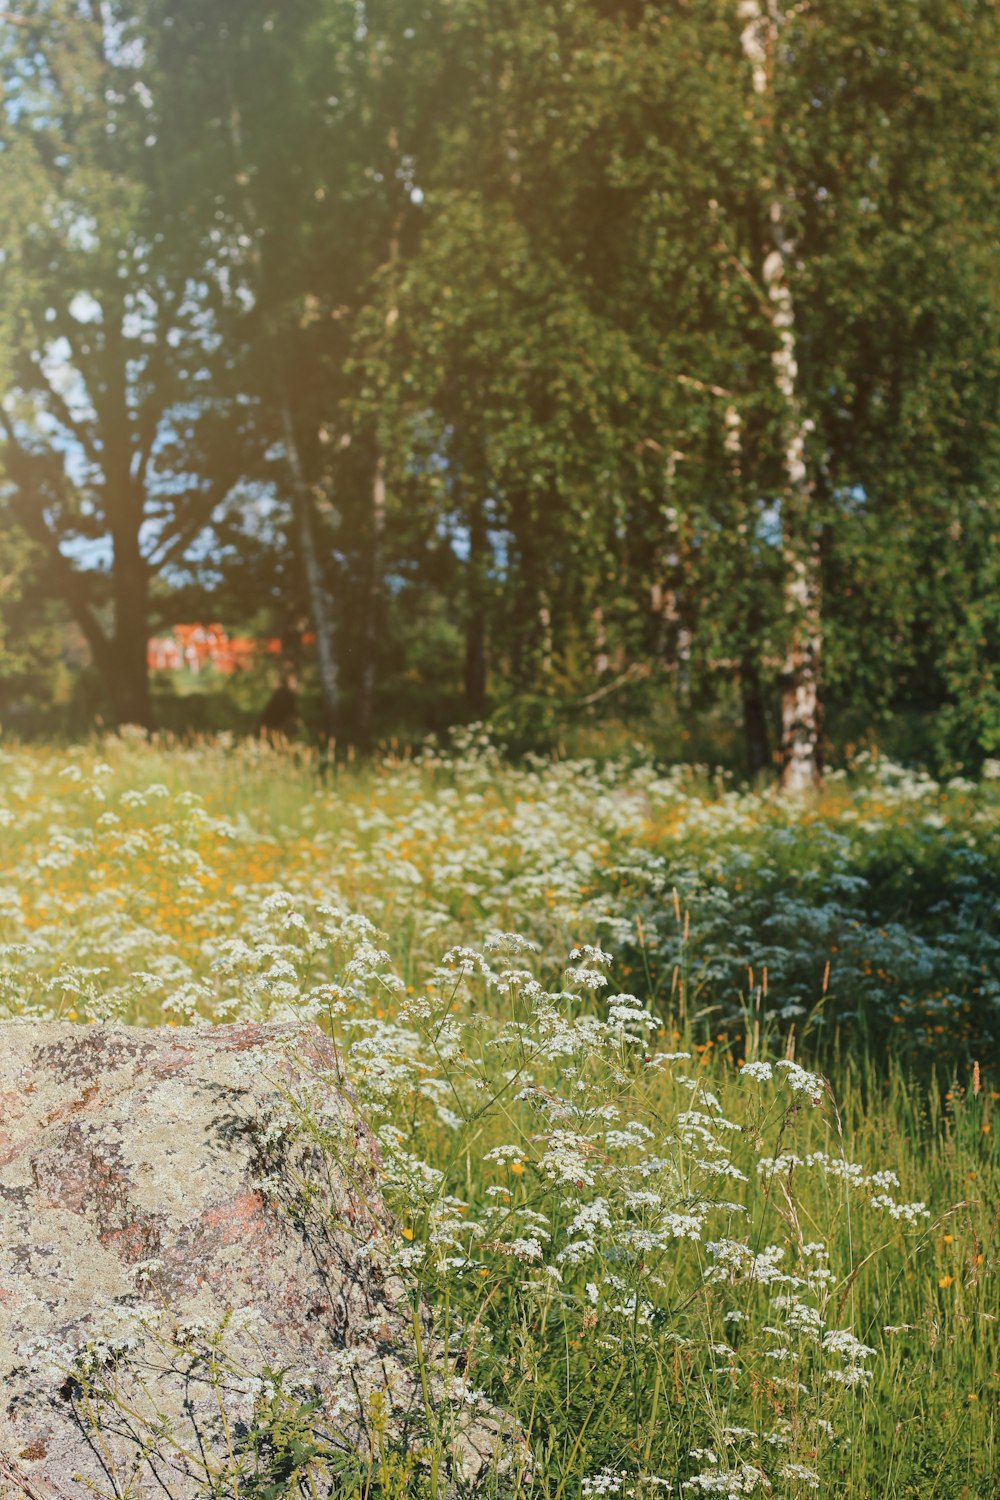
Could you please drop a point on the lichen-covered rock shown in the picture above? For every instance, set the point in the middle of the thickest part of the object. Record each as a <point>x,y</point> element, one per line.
<point>193,1276</point>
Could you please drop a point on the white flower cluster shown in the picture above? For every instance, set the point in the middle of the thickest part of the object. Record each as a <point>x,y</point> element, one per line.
<point>799,1080</point>
<point>744,1479</point>
<point>621,1486</point>
<point>854,1176</point>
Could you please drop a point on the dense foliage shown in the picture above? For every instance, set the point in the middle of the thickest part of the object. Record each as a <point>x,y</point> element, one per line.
<point>514,353</point>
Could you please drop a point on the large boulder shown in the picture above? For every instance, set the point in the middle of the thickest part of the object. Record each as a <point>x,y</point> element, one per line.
<point>194,1274</point>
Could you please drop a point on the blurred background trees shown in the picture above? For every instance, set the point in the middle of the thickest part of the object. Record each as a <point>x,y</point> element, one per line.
<point>511,359</point>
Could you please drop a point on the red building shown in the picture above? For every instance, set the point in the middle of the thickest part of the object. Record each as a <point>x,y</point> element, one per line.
<point>190,648</point>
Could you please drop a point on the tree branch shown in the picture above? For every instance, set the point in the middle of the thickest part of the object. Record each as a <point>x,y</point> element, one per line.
<point>704,385</point>
<point>176,540</point>
<point>152,411</point>
<point>70,584</point>
<point>731,258</point>
<point>635,673</point>
<point>65,416</point>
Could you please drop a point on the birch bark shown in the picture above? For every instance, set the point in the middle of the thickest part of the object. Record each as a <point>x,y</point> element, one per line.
<point>800,693</point>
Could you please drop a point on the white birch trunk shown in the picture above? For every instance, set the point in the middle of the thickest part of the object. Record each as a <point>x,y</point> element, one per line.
<point>800,699</point>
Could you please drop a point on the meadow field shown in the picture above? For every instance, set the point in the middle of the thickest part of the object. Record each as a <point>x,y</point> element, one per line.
<point>686,1094</point>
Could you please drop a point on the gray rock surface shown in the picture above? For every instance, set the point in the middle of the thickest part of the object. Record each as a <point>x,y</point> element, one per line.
<point>169,1233</point>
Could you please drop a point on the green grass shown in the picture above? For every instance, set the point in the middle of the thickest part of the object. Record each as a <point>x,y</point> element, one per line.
<point>856,934</point>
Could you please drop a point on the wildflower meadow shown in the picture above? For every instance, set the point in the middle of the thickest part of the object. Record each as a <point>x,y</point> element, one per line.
<point>685,1095</point>
<point>616,380</point>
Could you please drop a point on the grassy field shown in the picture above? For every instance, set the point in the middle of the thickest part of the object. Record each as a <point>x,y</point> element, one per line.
<point>687,1095</point>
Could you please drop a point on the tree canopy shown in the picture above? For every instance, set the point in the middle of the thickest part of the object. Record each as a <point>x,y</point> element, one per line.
<point>515,349</point>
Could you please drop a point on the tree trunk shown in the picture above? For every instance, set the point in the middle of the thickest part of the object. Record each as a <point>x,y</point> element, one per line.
<point>801,704</point>
<point>800,690</point>
<point>475,613</point>
<point>545,633</point>
<point>303,507</point>
<point>601,660</point>
<point>664,599</point>
<point>756,737</point>
<point>474,673</point>
<point>320,610</point>
<point>120,659</point>
<point>129,684</point>
<point>373,602</point>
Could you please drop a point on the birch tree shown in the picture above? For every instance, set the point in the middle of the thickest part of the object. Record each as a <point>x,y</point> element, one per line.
<point>799,214</point>
<point>801,728</point>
